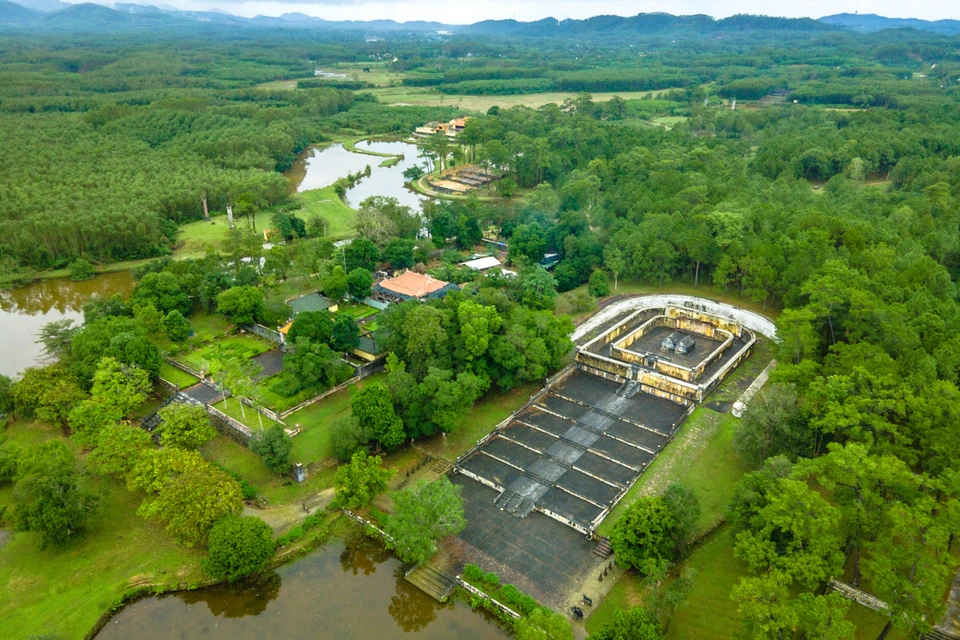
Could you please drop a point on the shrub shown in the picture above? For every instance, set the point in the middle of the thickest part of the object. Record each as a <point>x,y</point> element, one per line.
<point>516,599</point>
<point>491,579</point>
<point>81,269</point>
<point>599,287</point>
<point>473,572</point>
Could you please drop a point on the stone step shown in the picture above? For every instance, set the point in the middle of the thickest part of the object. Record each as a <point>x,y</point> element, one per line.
<point>435,584</point>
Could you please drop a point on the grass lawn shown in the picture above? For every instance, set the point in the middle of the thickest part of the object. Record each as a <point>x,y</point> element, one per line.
<point>668,122</point>
<point>313,442</point>
<point>193,238</point>
<point>428,97</point>
<point>709,612</point>
<point>206,326</point>
<point>870,623</point>
<point>275,489</point>
<point>326,204</point>
<point>180,378</point>
<point>700,457</point>
<point>279,403</point>
<point>245,346</point>
<point>231,407</point>
<point>627,593</point>
<point>66,590</point>
<point>357,311</point>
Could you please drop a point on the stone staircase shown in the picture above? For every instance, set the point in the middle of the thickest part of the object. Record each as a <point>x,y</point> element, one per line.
<point>937,634</point>
<point>440,466</point>
<point>603,548</point>
<point>514,504</point>
<point>628,389</point>
<point>435,584</point>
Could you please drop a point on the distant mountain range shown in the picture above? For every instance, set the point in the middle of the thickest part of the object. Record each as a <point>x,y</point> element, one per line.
<point>869,22</point>
<point>53,15</point>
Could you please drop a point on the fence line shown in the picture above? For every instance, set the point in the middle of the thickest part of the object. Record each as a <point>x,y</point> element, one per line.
<point>477,592</point>
<point>328,392</point>
<point>265,332</point>
<point>177,365</point>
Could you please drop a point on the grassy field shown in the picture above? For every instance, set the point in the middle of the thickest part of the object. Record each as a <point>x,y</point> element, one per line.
<point>180,378</point>
<point>313,443</point>
<point>357,311</point>
<point>709,612</point>
<point>65,591</point>
<point>699,457</point>
<point>273,488</point>
<point>668,122</point>
<point>418,96</point>
<point>206,326</point>
<point>193,238</point>
<point>245,346</point>
<point>254,419</point>
<point>326,204</point>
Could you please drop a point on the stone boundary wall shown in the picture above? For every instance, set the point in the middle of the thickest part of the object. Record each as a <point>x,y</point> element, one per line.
<point>680,320</point>
<point>265,332</point>
<point>177,365</point>
<point>740,406</point>
<point>477,592</point>
<point>753,321</point>
<point>329,392</point>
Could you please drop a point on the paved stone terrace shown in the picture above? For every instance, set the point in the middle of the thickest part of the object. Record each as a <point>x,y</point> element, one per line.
<point>576,449</point>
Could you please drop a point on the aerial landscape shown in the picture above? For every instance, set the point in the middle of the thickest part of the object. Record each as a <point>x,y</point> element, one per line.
<point>560,321</point>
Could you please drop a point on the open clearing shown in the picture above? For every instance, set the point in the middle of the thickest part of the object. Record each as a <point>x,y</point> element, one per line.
<point>429,98</point>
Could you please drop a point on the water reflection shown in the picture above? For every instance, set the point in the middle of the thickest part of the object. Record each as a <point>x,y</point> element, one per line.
<point>359,556</point>
<point>25,310</point>
<point>320,167</point>
<point>351,590</point>
<point>237,600</point>
<point>409,609</point>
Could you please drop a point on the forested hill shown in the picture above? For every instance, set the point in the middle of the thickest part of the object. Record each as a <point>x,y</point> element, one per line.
<point>870,22</point>
<point>87,17</point>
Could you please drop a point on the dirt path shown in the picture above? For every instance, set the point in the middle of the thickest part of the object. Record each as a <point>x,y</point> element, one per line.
<point>285,516</point>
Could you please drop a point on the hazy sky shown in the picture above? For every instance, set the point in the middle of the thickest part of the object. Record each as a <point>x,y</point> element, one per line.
<point>467,11</point>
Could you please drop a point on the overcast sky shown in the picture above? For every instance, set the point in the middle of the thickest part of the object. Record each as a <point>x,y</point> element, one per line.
<point>467,11</point>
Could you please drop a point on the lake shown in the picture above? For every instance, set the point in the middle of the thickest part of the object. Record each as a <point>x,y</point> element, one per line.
<point>25,310</point>
<point>344,590</point>
<point>319,167</point>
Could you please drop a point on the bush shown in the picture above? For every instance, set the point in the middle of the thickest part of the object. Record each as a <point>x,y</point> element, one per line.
<point>273,447</point>
<point>293,535</point>
<point>239,546</point>
<point>513,597</point>
<point>473,573</point>
<point>81,269</point>
<point>599,287</point>
<point>491,579</point>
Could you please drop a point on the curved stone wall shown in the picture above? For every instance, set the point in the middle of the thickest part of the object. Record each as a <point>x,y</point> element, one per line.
<point>749,319</point>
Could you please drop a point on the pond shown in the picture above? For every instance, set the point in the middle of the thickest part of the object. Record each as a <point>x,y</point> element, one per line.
<point>343,590</point>
<point>25,310</point>
<point>319,167</point>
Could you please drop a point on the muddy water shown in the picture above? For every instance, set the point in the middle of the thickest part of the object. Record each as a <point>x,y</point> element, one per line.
<point>24,311</point>
<point>342,591</point>
<point>320,167</point>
